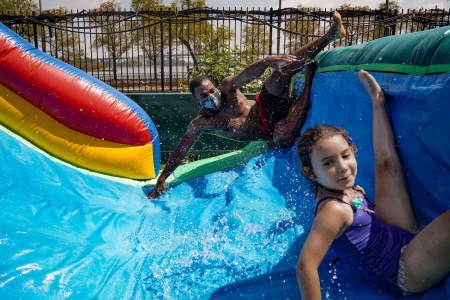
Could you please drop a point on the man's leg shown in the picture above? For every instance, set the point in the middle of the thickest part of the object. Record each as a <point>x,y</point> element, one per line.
<point>288,129</point>
<point>313,48</point>
<point>278,82</point>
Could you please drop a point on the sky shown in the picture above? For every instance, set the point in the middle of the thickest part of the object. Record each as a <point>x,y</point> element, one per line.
<point>86,4</point>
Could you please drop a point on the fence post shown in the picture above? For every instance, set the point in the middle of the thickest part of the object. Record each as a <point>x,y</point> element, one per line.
<point>279,31</point>
<point>36,44</point>
<point>393,26</point>
<point>170,54</point>
<point>386,16</point>
<point>162,49</point>
<point>270,30</point>
<point>44,47</point>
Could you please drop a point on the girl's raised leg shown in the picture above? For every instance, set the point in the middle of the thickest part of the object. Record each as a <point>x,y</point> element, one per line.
<point>392,202</point>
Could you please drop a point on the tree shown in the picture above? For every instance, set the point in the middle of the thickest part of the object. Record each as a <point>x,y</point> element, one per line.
<point>191,32</point>
<point>189,27</point>
<point>217,60</point>
<point>22,6</point>
<point>359,29</point>
<point>393,5</point>
<point>350,7</point>
<point>64,44</point>
<point>116,35</point>
<point>209,46</point>
<point>149,37</point>
<point>183,28</point>
<point>431,18</point>
<point>301,31</point>
<point>256,37</point>
<point>389,29</point>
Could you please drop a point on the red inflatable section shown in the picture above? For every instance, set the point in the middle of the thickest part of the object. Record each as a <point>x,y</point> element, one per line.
<point>64,98</point>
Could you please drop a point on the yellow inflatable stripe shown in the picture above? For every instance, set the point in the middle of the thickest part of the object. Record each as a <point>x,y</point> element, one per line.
<point>72,146</point>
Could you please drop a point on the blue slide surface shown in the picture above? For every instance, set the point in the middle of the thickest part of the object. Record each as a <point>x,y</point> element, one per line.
<point>226,235</point>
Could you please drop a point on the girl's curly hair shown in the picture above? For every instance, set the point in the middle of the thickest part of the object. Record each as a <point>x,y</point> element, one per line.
<point>315,133</point>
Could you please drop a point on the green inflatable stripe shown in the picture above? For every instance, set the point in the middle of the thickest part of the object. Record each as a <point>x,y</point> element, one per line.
<point>409,69</point>
<point>419,53</point>
<point>213,164</point>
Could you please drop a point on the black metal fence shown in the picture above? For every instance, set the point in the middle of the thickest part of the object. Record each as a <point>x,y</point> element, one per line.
<point>155,51</point>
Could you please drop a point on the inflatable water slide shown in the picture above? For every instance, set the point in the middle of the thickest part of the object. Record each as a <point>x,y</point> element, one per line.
<point>74,154</point>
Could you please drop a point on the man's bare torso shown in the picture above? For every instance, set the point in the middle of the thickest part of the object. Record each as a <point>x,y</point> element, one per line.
<point>237,118</point>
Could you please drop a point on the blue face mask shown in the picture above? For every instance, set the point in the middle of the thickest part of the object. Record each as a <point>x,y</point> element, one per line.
<point>212,102</point>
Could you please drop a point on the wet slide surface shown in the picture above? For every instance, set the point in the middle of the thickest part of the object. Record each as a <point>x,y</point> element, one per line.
<point>70,234</point>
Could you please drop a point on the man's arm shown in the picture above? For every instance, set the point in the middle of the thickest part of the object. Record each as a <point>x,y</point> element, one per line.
<point>194,129</point>
<point>255,70</point>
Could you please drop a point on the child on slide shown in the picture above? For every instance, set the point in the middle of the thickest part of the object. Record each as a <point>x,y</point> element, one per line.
<point>381,241</point>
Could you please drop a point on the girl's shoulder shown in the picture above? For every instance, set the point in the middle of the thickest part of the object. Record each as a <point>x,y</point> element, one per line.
<point>324,195</point>
<point>335,203</point>
<point>344,198</point>
<point>331,209</point>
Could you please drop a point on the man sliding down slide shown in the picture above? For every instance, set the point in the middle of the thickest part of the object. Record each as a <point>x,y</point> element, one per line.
<point>271,116</point>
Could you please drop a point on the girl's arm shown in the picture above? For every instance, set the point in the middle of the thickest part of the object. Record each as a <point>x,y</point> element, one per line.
<point>331,221</point>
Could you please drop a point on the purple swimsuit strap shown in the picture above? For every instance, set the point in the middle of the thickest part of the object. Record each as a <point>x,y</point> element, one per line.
<point>340,200</point>
<point>328,198</point>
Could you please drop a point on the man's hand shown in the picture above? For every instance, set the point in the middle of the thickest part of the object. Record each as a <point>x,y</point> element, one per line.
<point>276,61</point>
<point>159,189</point>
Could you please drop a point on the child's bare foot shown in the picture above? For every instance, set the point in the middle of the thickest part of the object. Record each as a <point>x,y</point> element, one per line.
<point>372,87</point>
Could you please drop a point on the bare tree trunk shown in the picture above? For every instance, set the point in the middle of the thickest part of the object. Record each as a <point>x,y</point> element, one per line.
<point>191,52</point>
<point>114,56</point>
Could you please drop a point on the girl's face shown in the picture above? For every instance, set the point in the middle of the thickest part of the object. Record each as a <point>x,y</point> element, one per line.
<point>333,162</point>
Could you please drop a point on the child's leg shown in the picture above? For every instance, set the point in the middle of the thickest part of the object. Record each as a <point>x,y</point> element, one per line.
<point>392,203</point>
<point>278,82</point>
<point>426,259</point>
<point>288,129</point>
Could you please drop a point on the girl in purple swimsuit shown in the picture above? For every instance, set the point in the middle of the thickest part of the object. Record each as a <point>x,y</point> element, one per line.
<point>380,241</point>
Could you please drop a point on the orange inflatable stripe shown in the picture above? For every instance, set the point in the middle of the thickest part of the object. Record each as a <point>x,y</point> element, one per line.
<point>81,150</point>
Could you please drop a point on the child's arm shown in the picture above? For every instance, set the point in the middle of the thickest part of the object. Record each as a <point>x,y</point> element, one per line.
<point>331,221</point>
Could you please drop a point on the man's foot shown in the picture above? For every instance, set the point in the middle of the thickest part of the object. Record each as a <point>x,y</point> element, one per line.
<point>372,87</point>
<point>337,30</point>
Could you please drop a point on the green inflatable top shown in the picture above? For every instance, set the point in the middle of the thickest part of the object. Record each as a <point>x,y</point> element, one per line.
<point>421,53</point>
